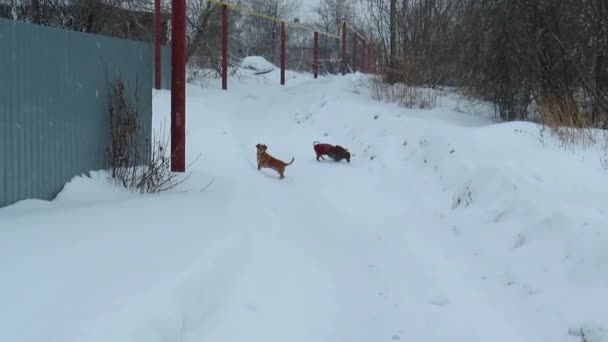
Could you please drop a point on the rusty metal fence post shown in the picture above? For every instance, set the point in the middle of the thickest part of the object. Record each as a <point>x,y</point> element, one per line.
<point>157,65</point>
<point>344,48</point>
<point>354,52</point>
<point>316,54</point>
<point>178,86</point>
<point>224,46</point>
<point>365,56</point>
<point>282,53</point>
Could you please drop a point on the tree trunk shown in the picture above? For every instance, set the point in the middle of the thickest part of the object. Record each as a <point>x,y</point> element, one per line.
<point>392,41</point>
<point>36,11</point>
<point>601,79</point>
<point>200,33</point>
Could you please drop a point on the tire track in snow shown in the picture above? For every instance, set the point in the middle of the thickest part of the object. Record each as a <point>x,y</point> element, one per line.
<point>180,306</point>
<point>337,260</point>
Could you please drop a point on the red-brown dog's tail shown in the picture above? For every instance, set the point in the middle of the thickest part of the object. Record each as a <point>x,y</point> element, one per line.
<point>291,162</point>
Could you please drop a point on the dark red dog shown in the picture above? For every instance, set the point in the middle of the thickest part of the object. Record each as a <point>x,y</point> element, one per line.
<point>336,153</point>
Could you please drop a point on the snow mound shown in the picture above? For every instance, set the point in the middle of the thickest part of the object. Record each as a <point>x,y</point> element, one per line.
<point>91,188</point>
<point>258,64</point>
<point>86,189</point>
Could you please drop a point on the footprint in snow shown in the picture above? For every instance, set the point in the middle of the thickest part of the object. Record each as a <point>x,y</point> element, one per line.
<point>520,240</point>
<point>440,301</point>
<point>252,307</point>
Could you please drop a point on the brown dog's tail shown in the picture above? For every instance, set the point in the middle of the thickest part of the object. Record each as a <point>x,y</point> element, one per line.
<point>291,162</point>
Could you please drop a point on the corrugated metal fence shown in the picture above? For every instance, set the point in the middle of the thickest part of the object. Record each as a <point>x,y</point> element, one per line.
<point>54,121</point>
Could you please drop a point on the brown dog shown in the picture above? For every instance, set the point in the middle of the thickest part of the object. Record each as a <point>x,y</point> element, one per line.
<point>267,161</point>
<point>336,153</point>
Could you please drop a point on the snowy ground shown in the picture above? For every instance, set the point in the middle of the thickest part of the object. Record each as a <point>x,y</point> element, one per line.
<point>445,226</point>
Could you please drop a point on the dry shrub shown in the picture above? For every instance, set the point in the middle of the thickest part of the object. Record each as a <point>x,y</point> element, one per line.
<point>565,120</point>
<point>572,127</point>
<point>136,163</point>
<point>404,95</point>
<point>408,72</point>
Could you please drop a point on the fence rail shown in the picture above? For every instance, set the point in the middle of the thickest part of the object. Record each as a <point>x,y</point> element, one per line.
<point>237,31</point>
<point>54,120</point>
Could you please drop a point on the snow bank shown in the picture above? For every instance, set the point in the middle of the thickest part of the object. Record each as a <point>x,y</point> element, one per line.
<point>90,189</point>
<point>97,186</point>
<point>528,214</point>
<point>258,64</point>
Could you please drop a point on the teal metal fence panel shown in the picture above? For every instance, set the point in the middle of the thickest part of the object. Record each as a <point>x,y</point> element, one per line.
<point>54,102</point>
<point>165,61</point>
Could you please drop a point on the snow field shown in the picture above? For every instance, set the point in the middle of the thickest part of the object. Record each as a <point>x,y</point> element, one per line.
<point>445,226</point>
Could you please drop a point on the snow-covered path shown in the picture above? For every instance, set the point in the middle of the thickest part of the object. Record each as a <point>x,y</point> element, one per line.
<point>336,253</point>
<point>367,251</point>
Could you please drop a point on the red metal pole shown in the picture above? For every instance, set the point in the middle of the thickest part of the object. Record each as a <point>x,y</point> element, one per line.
<point>316,55</point>
<point>343,48</point>
<point>372,51</point>
<point>362,55</point>
<point>178,86</point>
<point>282,53</point>
<point>370,54</point>
<point>354,51</point>
<point>224,47</point>
<point>378,59</point>
<point>376,54</point>
<point>365,56</point>
<point>157,65</point>
<point>368,65</point>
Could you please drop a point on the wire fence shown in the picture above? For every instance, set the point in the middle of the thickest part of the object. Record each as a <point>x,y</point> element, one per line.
<point>235,32</point>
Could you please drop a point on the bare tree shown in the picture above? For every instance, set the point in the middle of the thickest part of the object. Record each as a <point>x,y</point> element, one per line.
<point>259,35</point>
<point>393,39</point>
<point>518,54</point>
<point>377,22</point>
<point>199,15</point>
<point>331,14</point>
